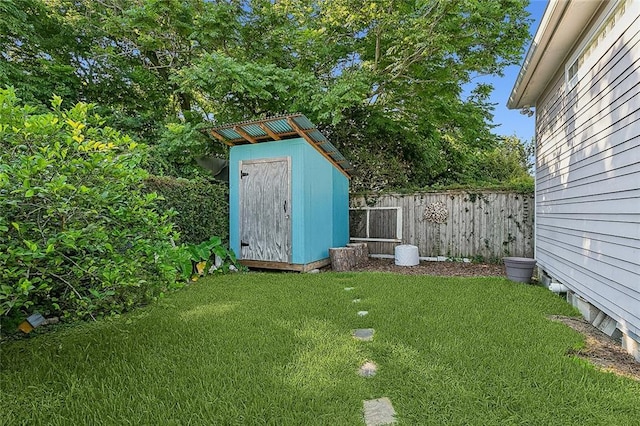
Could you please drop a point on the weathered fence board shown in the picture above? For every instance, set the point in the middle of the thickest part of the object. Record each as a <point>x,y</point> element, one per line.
<point>482,224</point>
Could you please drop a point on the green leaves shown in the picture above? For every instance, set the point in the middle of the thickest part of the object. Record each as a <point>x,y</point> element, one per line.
<point>196,260</point>
<point>149,63</point>
<point>236,88</point>
<point>198,208</point>
<point>77,235</point>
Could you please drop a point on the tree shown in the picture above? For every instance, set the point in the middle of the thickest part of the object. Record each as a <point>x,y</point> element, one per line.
<point>368,64</point>
<point>149,62</point>
<point>509,160</point>
<point>35,52</point>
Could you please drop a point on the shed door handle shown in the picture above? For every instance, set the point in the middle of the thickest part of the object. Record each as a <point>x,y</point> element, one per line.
<point>285,206</point>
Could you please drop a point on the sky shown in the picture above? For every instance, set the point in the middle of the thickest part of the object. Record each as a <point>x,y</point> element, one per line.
<point>511,122</point>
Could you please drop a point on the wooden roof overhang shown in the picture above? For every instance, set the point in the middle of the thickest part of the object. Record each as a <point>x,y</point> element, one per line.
<point>278,129</point>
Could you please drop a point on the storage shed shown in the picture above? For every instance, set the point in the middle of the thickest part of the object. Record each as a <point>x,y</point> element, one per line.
<point>288,193</point>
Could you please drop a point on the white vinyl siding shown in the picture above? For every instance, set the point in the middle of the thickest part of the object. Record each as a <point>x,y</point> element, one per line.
<point>610,16</point>
<point>588,173</point>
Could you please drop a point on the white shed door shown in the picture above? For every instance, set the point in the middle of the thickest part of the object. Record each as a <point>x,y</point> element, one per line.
<point>265,210</point>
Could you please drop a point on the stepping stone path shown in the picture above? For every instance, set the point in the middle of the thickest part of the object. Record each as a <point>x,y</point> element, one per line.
<point>368,369</point>
<point>378,412</point>
<point>364,334</point>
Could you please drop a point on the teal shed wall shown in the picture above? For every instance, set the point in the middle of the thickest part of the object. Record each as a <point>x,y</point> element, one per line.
<point>341,212</point>
<point>319,198</point>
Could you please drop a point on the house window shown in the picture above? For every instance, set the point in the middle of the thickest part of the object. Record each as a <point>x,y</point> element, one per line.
<point>572,75</point>
<point>572,70</point>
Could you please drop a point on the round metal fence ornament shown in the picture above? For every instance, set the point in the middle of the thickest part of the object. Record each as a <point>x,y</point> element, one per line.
<point>436,212</point>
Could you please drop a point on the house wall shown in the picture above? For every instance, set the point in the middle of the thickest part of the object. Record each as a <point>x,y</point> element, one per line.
<point>588,175</point>
<point>319,212</point>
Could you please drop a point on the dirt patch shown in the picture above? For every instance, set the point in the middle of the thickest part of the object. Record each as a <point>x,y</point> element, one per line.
<point>449,269</point>
<point>601,350</point>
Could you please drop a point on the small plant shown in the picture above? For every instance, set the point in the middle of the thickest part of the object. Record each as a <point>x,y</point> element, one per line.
<point>207,257</point>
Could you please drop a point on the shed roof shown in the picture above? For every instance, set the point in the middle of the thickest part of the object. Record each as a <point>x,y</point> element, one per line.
<point>281,128</point>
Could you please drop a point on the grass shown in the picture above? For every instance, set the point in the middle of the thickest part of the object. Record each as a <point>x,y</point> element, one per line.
<point>275,349</point>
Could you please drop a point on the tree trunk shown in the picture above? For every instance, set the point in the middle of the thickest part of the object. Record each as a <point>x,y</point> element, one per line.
<point>342,259</point>
<point>362,252</point>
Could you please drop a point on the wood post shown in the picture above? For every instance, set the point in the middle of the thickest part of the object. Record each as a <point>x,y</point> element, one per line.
<point>342,258</point>
<point>362,252</point>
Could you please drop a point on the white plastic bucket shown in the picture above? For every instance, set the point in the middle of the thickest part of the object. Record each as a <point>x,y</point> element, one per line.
<point>407,255</point>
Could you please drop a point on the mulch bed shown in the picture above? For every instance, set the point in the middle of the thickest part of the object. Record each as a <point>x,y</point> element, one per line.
<point>601,350</point>
<point>448,269</point>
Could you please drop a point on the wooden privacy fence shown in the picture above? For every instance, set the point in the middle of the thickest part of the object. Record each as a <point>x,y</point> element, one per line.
<point>457,224</point>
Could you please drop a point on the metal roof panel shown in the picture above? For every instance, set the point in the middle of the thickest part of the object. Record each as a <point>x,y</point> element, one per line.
<point>282,128</point>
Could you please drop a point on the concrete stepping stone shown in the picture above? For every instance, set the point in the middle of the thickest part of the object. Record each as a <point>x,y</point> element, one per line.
<point>368,369</point>
<point>378,412</point>
<point>363,313</point>
<point>364,334</point>
<point>356,300</point>
<point>348,288</point>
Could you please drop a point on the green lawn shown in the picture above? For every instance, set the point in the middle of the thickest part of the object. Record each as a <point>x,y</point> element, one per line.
<point>257,349</point>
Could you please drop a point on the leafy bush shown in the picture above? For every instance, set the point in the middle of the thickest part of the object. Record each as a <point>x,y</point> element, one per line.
<point>202,207</point>
<point>77,234</point>
<point>176,150</point>
<point>510,161</point>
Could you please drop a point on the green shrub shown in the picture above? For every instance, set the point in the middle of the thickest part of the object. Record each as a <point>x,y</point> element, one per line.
<point>201,207</point>
<point>78,236</point>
